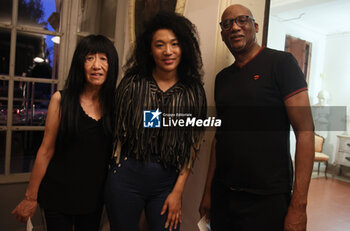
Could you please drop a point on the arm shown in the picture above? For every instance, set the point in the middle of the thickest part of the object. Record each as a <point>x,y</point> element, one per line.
<point>26,208</point>
<point>204,208</point>
<point>173,201</point>
<point>299,113</point>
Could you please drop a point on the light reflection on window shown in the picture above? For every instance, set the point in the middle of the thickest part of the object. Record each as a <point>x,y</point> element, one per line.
<point>3,101</point>
<point>30,107</point>
<point>36,56</point>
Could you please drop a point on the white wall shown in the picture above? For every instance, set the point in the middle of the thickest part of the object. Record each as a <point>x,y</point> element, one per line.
<point>203,13</point>
<point>337,79</point>
<point>337,68</point>
<point>329,67</point>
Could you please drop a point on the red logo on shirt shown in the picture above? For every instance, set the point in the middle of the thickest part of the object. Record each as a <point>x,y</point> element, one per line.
<point>256,77</point>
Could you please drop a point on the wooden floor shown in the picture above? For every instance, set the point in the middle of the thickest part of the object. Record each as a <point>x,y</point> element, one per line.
<point>329,205</point>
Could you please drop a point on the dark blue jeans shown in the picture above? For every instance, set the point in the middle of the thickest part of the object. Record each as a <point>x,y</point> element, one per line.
<point>136,185</point>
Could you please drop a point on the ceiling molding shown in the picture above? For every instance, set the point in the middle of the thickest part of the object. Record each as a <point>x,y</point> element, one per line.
<point>281,6</point>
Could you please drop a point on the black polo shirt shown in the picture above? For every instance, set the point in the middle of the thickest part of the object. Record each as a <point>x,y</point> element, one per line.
<point>252,145</point>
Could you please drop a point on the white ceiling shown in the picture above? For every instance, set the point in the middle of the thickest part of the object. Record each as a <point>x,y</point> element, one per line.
<point>322,16</point>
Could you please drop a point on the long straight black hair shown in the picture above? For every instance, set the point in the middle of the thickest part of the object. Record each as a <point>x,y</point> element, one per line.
<point>75,83</point>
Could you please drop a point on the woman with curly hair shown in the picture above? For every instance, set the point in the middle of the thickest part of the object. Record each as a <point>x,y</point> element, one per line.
<point>151,165</point>
<point>71,164</point>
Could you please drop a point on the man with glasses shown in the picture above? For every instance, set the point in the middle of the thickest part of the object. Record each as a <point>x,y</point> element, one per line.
<point>258,97</point>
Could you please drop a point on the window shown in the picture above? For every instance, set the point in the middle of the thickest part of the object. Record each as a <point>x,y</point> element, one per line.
<point>37,41</point>
<point>28,78</point>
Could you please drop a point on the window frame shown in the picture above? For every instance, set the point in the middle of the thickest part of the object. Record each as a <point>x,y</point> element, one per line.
<point>68,40</point>
<point>9,177</point>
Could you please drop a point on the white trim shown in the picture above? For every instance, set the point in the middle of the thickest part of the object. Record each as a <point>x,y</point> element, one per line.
<point>10,87</point>
<point>6,26</point>
<point>35,80</point>
<point>37,30</point>
<point>69,39</point>
<point>62,59</point>
<point>4,77</point>
<point>28,128</point>
<point>180,6</point>
<point>14,178</point>
<point>121,34</point>
<point>132,22</point>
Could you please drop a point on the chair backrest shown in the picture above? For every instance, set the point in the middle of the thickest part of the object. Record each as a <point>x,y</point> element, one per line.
<point>319,140</point>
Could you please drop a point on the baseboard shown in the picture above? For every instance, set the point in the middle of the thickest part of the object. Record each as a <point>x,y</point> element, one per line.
<point>35,228</point>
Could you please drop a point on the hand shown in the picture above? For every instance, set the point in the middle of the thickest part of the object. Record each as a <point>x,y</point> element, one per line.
<point>204,208</point>
<point>296,219</point>
<point>24,210</point>
<point>173,204</point>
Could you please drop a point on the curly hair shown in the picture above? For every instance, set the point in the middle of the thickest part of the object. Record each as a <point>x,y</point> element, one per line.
<point>76,81</point>
<point>141,62</point>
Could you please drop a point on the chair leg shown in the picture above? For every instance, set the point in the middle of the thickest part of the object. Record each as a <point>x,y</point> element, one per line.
<point>318,169</point>
<point>325,171</point>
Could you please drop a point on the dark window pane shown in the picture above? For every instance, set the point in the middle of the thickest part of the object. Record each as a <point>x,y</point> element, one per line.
<point>36,56</point>
<point>6,11</point>
<point>25,145</point>
<point>93,16</point>
<point>43,14</point>
<point>5,40</point>
<point>31,104</point>
<point>2,151</point>
<point>3,101</point>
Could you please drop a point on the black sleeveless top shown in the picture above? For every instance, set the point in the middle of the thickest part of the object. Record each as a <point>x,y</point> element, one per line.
<point>74,180</point>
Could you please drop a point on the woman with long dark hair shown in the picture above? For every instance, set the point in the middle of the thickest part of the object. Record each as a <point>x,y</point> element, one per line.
<point>150,166</point>
<point>71,164</point>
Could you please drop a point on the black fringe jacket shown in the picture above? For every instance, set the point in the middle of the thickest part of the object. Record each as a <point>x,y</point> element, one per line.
<point>175,146</point>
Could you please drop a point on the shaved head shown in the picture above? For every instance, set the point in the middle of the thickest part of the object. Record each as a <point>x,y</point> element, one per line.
<point>236,8</point>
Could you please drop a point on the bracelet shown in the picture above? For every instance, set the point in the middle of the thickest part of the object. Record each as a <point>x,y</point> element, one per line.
<point>29,198</point>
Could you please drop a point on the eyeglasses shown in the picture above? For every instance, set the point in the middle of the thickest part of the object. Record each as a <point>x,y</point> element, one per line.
<point>240,21</point>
